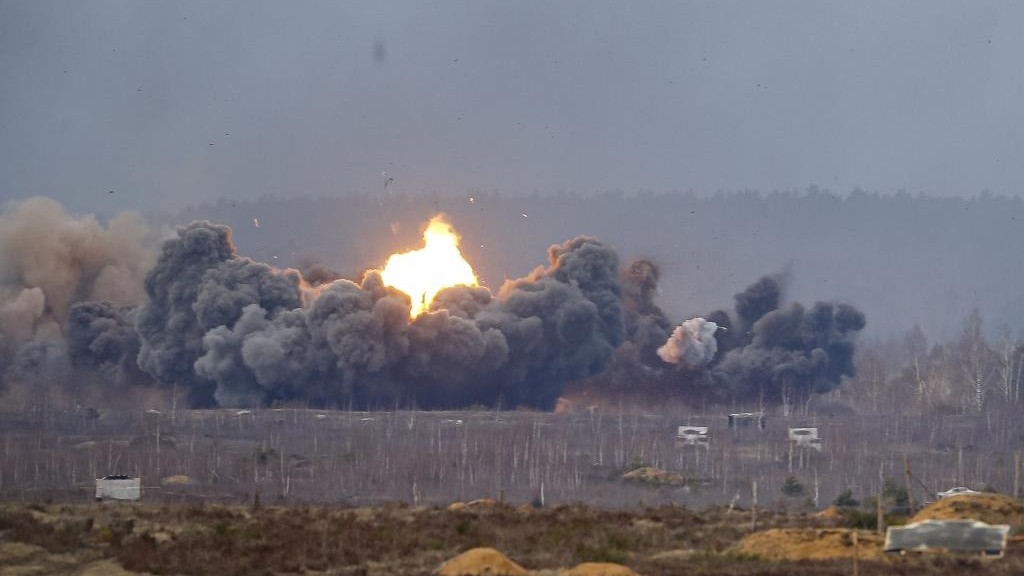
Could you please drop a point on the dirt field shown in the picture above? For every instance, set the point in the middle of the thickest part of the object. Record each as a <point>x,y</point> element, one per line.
<point>401,539</point>
<point>296,491</point>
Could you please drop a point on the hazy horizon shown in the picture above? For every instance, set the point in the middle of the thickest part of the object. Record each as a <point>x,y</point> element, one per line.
<point>153,106</point>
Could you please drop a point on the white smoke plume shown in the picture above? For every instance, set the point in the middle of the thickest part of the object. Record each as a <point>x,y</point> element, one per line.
<point>692,344</point>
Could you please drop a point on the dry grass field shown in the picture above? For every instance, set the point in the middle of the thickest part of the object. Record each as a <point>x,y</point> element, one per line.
<point>402,539</point>
<point>296,491</point>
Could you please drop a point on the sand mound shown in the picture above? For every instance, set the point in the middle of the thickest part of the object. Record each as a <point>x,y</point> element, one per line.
<point>598,569</point>
<point>480,562</point>
<point>830,513</point>
<point>801,544</point>
<point>654,476</point>
<point>482,503</point>
<point>178,479</point>
<point>989,508</point>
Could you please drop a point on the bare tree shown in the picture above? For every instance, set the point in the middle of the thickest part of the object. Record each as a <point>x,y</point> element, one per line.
<point>976,360</point>
<point>1010,352</point>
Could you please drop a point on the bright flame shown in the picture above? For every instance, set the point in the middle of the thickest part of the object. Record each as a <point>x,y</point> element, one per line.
<point>423,273</point>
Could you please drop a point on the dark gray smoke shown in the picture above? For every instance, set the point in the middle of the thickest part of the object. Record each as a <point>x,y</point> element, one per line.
<point>758,299</point>
<point>647,326</point>
<point>772,354</point>
<point>762,352</point>
<point>236,332</point>
<point>198,289</point>
<point>231,331</point>
<point>794,353</point>
<point>101,335</point>
<point>316,274</point>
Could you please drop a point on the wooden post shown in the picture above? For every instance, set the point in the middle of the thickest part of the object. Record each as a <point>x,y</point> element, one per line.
<point>960,466</point>
<point>856,554</point>
<point>910,488</point>
<point>1016,474</point>
<point>880,509</point>
<point>753,509</point>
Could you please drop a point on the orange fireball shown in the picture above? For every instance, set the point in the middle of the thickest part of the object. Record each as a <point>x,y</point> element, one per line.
<point>423,273</point>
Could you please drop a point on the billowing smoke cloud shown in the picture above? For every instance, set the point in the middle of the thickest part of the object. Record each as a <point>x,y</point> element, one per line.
<point>315,273</point>
<point>51,262</point>
<point>237,332</point>
<point>758,299</point>
<point>71,259</point>
<point>794,352</point>
<point>647,326</point>
<point>198,285</point>
<point>766,352</point>
<point>89,303</point>
<point>102,337</point>
<point>692,344</point>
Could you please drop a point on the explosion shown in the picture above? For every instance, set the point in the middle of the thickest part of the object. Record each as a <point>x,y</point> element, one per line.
<point>74,306</point>
<point>422,273</point>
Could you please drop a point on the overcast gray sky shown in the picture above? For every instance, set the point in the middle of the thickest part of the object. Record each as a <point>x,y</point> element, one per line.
<point>169,103</point>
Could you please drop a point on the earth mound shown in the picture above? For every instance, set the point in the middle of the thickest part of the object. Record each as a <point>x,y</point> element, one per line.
<point>830,513</point>
<point>598,569</point>
<point>811,544</point>
<point>988,508</point>
<point>481,562</point>
<point>654,476</point>
<point>482,503</point>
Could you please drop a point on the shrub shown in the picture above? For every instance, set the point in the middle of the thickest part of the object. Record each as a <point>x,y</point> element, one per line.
<point>846,500</point>
<point>792,488</point>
